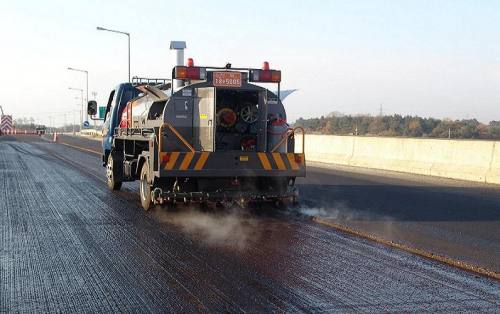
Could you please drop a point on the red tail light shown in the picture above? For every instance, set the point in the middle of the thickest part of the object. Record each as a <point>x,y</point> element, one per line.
<point>165,158</point>
<point>190,62</point>
<point>193,73</point>
<point>270,76</point>
<point>298,158</point>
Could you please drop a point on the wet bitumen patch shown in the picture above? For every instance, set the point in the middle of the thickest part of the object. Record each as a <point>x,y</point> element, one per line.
<point>460,222</point>
<point>68,244</point>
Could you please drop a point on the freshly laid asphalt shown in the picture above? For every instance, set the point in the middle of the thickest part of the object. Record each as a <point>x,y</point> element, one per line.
<point>455,219</point>
<point>69,244</point>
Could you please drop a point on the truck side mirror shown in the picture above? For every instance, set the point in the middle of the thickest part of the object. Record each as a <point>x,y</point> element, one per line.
<point>92,108</point>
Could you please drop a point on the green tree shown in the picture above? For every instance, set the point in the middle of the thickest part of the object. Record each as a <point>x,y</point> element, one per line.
<point>415,128</point>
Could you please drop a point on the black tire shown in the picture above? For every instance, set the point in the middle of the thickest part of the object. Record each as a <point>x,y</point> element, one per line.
<point>113,183</point>
<point>145,188</point>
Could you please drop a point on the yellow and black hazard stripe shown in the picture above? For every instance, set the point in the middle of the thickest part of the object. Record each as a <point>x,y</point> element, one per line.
<point>281,161</point>
<point>198,160</point>
<point>184,161</point>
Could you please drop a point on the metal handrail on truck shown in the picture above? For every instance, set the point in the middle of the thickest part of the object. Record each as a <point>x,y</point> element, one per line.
<point>149,81</point>
<point>286,135</point>
<point>179,136</point>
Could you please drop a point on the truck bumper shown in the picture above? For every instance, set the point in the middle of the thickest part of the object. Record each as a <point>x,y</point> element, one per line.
<point>231,164</point>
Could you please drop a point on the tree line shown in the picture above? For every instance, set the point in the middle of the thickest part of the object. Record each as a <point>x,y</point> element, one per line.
<point>398,125</point>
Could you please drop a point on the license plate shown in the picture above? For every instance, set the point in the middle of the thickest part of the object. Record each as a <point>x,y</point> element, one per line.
<point>227,79</point>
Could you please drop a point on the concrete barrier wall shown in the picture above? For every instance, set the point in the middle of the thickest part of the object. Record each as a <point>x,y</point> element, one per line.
<point>493,175</point>
<point>458,159</point>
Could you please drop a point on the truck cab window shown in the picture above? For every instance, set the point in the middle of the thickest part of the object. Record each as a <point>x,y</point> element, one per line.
<point>109,106</point>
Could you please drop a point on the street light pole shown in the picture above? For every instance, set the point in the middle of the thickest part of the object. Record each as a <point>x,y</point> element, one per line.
<point>128,37</point>
<point>94,97</point>
<point>81,111</point>
<point>87,84</point>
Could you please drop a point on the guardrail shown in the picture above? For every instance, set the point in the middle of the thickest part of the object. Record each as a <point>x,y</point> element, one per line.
<point>90,132</point>
<point>19,132</point>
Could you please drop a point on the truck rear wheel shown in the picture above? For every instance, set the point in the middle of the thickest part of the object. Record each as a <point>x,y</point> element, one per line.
<point>145,188</point>
<point>112,182</point>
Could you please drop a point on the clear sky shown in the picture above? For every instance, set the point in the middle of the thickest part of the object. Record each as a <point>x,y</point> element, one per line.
<point>428,58</point>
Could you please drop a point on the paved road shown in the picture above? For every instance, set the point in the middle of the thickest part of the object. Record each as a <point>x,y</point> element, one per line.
<point>455,219</point>
<point>68,244</point>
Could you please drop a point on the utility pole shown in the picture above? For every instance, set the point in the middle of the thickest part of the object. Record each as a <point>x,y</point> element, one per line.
<point>381,113</point>
<point>94,97</point>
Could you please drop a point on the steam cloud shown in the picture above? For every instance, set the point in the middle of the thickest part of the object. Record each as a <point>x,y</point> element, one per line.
<point>340,211</point>
<point>227,229</point>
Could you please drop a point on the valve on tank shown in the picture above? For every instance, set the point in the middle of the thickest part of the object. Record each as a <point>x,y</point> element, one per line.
<point>248,143</point>
<point>249,113</point>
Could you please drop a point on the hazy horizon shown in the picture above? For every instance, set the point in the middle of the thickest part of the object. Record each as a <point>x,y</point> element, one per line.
<point>426,58</point>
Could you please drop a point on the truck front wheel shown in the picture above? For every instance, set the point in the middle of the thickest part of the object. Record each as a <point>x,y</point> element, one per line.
<point>145,188</point>
<point>113,184</point>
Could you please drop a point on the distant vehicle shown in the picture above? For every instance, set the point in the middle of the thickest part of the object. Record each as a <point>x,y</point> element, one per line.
<point>40,130</point>
<point>218,138</point>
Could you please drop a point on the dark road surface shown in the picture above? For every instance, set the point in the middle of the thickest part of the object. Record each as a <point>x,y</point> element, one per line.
<point>68,244</point>
<point>455,219</point>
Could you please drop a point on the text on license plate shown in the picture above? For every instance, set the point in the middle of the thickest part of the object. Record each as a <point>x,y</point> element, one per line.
<point>227,79</point>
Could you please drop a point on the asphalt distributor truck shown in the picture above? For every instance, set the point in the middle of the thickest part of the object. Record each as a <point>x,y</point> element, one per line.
<point>219,137</point>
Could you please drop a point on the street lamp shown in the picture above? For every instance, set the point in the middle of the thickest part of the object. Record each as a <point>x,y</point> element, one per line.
<point>123,33</point>
<point>87,87</point>
<point>74,122</point>
<point>81,111</point>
